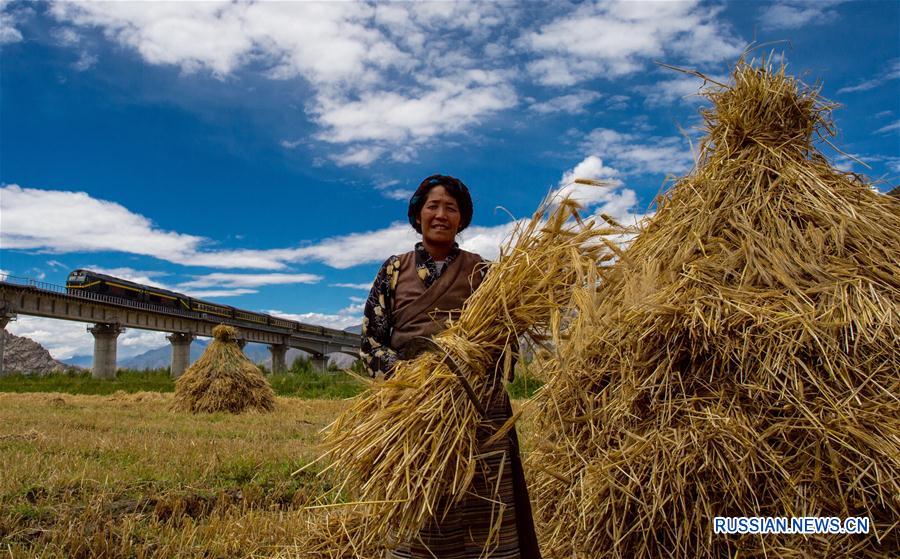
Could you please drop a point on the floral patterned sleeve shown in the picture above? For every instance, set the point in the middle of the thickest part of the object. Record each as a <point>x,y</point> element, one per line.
<point>378,324</point>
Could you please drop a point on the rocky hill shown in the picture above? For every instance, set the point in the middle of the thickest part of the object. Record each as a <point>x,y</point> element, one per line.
<point>22,355</point>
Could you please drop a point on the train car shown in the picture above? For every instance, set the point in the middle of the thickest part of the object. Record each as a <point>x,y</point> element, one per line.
<point>251,316</point>
<point>282,323</point>
<point>205,307</point>
<point>310,329</point>
<point>81,280</point>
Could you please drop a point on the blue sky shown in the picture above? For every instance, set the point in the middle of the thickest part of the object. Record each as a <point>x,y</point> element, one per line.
<point>261,154</point>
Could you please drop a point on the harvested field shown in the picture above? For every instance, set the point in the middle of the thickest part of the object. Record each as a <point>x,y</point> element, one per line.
<point>123,476</point>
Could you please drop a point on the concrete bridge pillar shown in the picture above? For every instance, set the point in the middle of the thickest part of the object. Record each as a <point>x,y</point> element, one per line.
<point>319,362</point>
<point>105,349</point>
<point>181,352</point>
<point>241,343</point>
<point>278,352</point>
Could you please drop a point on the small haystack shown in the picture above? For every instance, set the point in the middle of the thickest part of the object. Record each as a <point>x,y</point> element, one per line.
<point>739,359</point>
<point>223,379</point>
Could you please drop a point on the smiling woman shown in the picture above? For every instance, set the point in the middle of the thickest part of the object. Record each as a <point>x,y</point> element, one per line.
<point>413,296</point>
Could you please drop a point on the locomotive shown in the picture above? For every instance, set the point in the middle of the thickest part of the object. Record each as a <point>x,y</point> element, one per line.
<point>81,280</point>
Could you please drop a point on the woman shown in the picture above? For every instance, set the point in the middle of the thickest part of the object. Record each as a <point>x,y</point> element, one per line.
<point>438,276</point>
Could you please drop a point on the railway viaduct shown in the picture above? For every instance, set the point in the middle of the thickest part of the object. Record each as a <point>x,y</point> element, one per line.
<point>109,317</point>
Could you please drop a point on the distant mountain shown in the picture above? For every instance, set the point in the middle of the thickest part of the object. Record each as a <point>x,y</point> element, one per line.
<point>161,357</point>
<point>26,356</point>
<point>354,329</point>
<point>85,361</point>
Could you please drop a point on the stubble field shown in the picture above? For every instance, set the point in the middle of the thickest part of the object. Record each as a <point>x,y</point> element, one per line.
<point>123,476</point>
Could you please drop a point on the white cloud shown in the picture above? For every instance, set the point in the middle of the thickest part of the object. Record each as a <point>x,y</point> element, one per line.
<point>591,167</point>
<point>633,154</point>
<point>360,155</point>
<point>407,117</point>
<point>376,246</point>
<point>573,103</point>
<point>486,240</point>
<point>381,185</point>
<point>611,199</point>
<point>54,221</point>
<point>57,220</point>
<point>144,277</point>
<point>362,286</point>
<point>344,318</point>
<point>248,280</point>
<point>62,338</point>
<point>360,248</point>
<point>85,61</point>
<point>889,128</point>
<point>67,37</point>
<point>210,293</point>
<point>622,206</point>
<point>397,193</point>
<point>291,144</point>
<point>683,88</point>
<point>794,14</point>
<point>263,259</point>
<point>384,187</point>
<point>617,38</point>
<point>134,342</point>
<point>8,20</point>
<point>891,73</point>
<point>852,161</point>
<point>617,102</point>
<point>349,52</point>
<point>65,338</point>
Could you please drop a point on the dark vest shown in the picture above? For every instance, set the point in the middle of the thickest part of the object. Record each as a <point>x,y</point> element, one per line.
<point>423,312</point>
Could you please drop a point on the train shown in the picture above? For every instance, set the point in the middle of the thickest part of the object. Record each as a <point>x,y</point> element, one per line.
<point>82,280</point>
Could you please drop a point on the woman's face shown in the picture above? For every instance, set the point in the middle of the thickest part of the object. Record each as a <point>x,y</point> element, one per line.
<point>439,218</point>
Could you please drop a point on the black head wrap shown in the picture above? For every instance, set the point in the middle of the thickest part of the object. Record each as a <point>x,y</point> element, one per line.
<point>454,187</point>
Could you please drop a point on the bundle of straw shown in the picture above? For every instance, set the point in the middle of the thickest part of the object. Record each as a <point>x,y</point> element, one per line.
<point>739,359</point>
<point>223,379</point>
<point>409,443</point>
<point>332,533</point>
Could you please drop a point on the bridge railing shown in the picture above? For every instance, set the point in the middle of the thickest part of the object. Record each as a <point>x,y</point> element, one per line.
<point>63,290</point>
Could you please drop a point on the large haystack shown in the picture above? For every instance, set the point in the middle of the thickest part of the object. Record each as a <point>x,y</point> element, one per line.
<point>223,379</point>
<point>740,359</point>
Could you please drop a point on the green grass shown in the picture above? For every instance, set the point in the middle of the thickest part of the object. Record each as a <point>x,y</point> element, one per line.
<point>524,385</point>
<point>301,381</point>
<point>81,383</point>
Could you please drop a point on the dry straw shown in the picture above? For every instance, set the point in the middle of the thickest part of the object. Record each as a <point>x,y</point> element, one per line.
<point>409,447</point>
<point>739,359</point>
<point>333,533</point>
<point>223,379</point>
